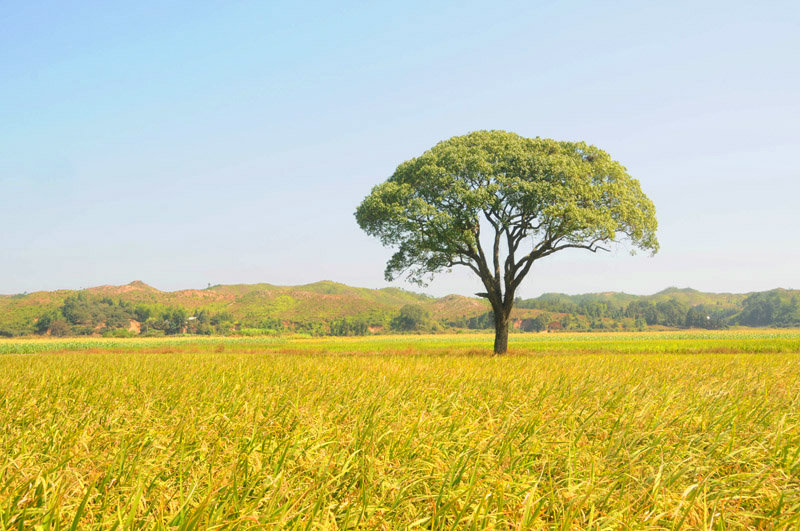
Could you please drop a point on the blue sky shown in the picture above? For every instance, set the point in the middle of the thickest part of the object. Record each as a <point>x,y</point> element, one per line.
<point>226,142</point>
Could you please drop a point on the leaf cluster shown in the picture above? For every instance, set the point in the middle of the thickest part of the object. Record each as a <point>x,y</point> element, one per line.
<point>552,194</point>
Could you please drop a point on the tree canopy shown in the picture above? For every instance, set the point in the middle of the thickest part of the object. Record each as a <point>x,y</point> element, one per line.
<point>496,202</point>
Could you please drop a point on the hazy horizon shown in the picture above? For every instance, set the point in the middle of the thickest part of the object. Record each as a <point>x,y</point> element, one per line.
<point>188,144</point>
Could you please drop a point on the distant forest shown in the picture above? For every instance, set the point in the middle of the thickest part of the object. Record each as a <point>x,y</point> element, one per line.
<point>766,309</point>
<point>328,308</point>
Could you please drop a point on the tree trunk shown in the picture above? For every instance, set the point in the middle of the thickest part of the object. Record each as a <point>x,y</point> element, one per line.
<point>500,333</point>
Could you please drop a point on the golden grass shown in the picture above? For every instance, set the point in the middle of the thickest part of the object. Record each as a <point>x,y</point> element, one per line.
<point>647,431</point>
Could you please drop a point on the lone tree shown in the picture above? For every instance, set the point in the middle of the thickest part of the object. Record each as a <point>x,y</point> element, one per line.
<point>496,202</point>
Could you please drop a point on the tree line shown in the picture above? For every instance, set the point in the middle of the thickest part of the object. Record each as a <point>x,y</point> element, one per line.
<point>759,309</point>
<point>83,314</point>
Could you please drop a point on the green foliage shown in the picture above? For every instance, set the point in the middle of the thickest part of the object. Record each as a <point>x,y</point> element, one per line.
<point>483,321</point>
<point>411,317</point>
<point>540,322</point>
<point>312,328</point>
<point>569,194</point>
<point>770,309</point>
<point>222,319</point>
<point>143,313</point>
<point>271,323</point>
<point>118,333</point>
<point>709,317</point>
<point>670,308</point>
<point>532,197</point>
<point>81,314</point>
<point>86,311</point>
<point>671,313</point>
<point>643,310</point>
<point>256,332</point>
<point>60,328</point>
<point>43,323</point>
<point>173,321</point>
<point>91,312</point>
<point>349,326</point>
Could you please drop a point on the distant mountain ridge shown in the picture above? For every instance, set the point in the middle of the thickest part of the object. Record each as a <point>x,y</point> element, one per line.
<point>688,295</point>
<point>314,306</point>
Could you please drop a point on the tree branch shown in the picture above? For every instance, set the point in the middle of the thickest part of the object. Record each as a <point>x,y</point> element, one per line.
<point>589,247</point>
<point>465,263</point>
<point>484,273</point>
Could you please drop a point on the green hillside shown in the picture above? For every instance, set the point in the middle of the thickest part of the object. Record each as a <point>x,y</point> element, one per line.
<point>332,308</point>
<point>674,307</point>
<point>246,305</point>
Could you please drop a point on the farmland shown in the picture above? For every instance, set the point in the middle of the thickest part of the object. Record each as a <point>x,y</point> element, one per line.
<point>569,431</point>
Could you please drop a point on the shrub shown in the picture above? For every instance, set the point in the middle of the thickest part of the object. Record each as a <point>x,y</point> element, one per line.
<point>411,317</point>
<point>118,332</point>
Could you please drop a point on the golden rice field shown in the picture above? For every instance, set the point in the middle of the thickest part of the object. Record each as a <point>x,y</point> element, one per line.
<point>674,430</point>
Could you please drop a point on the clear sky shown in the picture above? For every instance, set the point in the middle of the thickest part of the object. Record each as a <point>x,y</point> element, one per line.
<point>187,143</point>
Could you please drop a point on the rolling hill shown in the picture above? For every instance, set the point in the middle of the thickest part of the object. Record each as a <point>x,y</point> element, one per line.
<point>315,306</point>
